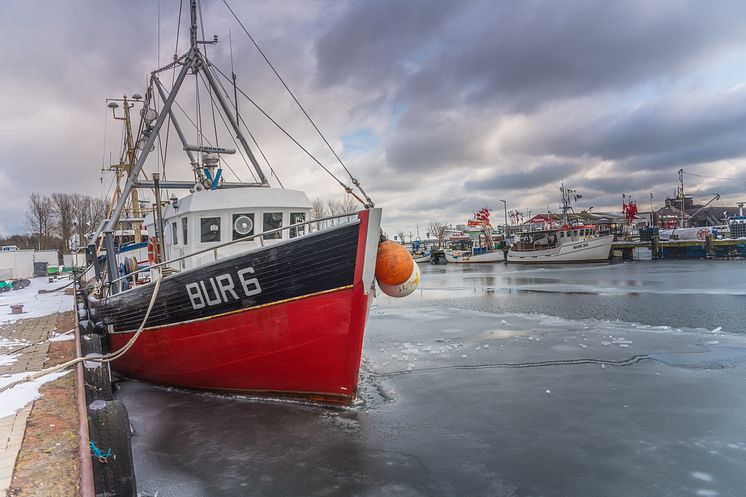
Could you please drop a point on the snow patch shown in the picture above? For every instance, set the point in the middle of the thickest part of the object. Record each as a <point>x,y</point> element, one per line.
<point>35,304</point>
<point>20,395</point>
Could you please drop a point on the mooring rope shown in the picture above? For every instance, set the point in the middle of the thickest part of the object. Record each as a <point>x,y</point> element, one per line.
<point>112,356</point>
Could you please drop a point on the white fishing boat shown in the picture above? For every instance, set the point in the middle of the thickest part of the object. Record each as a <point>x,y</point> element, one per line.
<point>464,248</point>
<point>565,243</point>
<point>466,256</point>
<point>424,257</point>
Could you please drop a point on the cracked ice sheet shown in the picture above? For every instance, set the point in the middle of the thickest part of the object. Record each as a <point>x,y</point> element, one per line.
<point>432,340</point>
<point>454,425</point>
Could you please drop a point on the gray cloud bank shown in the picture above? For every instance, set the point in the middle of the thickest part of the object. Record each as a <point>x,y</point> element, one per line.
<point>468,102</point>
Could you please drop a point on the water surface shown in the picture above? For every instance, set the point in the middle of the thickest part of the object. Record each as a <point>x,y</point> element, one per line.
<point>493,380</point>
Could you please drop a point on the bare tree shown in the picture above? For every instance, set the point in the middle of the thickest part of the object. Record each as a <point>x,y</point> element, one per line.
<point>82,217</point>
<point>98,208</point>
<point>318,211</point>
<point>62,205</point>
<point>39,218</point>
<point>333,208</point>
<point>401,236</point>
<point>438,231</point>
<point>349,205</point>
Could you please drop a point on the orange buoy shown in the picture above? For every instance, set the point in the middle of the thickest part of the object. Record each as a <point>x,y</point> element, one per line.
<point>394,263</point>
<point>403,289</point>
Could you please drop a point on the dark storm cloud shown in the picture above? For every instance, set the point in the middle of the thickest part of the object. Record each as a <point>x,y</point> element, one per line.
<point>693,127</point>
<point>375,41</point>
<point>616,181</point>
<point>611,96</point>
<point>627,81</point>
<point>534,177</point>
<point>521,53</point>
<point>430,142</point>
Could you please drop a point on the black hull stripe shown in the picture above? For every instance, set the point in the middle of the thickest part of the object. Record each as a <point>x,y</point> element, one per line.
<point>314,263</point>
<point>262,306</point>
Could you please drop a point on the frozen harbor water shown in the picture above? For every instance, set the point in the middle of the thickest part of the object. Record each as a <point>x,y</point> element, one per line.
<point>493,380</point>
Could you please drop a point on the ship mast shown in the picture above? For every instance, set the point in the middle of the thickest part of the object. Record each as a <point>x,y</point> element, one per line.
<point>565,203</point>
<point>192,62</point>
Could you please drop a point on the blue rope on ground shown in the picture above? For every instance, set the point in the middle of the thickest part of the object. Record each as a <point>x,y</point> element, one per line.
<point>104,458</point>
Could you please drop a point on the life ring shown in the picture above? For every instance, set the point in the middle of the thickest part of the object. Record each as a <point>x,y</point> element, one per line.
<point>702,233</point>
<point>154,251</point>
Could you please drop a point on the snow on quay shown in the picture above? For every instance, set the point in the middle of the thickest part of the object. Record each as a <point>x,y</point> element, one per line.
<point>35,304</point>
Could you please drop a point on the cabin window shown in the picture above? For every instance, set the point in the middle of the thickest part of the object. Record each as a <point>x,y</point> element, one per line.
<point>562,234</point>
<point>209,229</point>
<point>297,217</point>
<point>174,234</point>
<point>184,231</point>
<point>243,225</point>
<point>574,233</point>
<point>272,220</point>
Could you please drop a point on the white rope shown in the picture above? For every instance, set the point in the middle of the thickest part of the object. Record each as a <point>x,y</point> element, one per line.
<point>112,356</point>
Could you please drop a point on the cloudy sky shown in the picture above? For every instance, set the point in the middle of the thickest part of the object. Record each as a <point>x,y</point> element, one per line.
<point>438,107</point>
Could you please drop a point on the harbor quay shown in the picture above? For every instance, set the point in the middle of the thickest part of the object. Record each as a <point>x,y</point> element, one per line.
<point>39,442</point>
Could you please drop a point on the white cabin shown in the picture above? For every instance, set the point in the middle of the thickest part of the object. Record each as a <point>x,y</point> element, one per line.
<point>208,218</point>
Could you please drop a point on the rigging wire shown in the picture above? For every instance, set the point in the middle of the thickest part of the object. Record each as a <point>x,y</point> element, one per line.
<point>240,121</point>
<point>714,177</point>
<point>158,29</point>
<point>352,178</point>
<point>304,149</point>
<point>199,118</point>
<point>222,118</point>
<point>209,88</point>
<point>103,153</point>
<point>208,141</point>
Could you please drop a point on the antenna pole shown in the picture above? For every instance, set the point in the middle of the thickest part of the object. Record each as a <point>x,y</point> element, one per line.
<point>202,62</point>
<point>681,195</point>
<point>193,28</point>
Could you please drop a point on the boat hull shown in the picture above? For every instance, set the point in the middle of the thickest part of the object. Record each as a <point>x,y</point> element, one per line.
<point>301,335</point>
<point>593,250</point>
<point>493,256</point>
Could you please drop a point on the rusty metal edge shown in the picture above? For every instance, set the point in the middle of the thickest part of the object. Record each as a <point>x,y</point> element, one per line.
<point>86,463</point>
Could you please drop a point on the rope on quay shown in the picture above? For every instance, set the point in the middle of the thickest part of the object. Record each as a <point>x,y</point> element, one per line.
<point>56,289</point>
<point>539,364</point>
<point>112,356</point>
<point>24,347</point>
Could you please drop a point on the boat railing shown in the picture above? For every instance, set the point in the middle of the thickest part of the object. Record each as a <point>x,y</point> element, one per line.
<point>260,235</point>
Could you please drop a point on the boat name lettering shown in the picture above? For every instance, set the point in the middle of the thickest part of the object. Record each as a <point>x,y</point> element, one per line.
<point>580,245</point>
<point>221,289</point>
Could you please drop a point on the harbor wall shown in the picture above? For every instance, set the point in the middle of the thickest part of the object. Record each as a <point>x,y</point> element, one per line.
<point>20,263</point>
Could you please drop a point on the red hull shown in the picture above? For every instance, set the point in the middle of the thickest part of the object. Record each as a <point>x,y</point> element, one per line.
<point>309,346</point>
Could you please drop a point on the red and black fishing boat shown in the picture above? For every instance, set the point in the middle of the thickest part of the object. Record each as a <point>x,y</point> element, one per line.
<point>241,291</point>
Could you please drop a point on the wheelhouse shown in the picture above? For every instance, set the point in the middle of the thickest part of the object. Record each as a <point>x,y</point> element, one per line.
<point>210,218</point>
